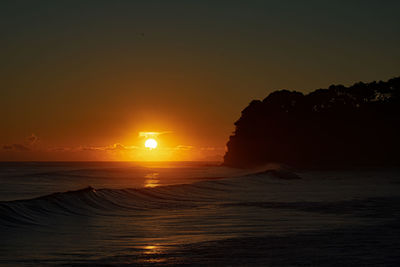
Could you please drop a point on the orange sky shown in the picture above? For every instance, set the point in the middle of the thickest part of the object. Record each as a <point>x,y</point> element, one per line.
<point>80,80</point>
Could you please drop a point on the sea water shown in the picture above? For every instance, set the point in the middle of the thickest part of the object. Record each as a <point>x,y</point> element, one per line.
<point>194,213</point>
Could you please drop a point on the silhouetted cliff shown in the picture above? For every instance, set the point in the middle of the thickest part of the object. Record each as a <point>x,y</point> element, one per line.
<point>338,126</point>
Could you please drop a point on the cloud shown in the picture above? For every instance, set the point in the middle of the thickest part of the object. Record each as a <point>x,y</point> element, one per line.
<point>16,147</point>
<point>120,147</point>
<point>208,148</point>
<point>32,139</point>
<point>182,147</point>
<point>26,145</point>
<point>153,134</point>
<point>61,149</point>
<point>114,147</point>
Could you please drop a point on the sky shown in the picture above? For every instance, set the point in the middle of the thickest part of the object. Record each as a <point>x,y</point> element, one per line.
<point>80,80</point>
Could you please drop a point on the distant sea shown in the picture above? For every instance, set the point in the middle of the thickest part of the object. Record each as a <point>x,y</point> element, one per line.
<point>196,213</point>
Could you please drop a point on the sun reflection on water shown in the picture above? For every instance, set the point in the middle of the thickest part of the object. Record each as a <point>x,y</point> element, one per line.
<point>153,254</point>
<point>152,249</point>
<point>152,180</point>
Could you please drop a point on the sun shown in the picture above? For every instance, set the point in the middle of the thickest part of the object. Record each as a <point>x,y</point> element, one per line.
<point>150,143</point>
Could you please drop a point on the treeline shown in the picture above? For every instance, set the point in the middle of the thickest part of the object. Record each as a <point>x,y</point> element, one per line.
<point>339,126</point>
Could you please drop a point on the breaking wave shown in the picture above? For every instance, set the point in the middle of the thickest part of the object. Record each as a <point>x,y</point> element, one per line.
<point>108,202</point>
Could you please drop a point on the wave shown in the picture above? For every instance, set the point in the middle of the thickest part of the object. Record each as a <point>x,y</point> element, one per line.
<point>107,202</point>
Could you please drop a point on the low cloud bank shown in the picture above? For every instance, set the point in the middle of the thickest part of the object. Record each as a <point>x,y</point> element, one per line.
<point>27,145</point>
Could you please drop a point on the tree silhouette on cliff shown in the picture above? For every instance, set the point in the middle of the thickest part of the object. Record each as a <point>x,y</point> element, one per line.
<point>338,126</point>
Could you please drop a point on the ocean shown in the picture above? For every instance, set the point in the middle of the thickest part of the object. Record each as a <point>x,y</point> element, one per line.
<point>196,213</point>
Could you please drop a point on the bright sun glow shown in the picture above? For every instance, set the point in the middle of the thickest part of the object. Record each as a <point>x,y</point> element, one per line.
<point>150,143</point>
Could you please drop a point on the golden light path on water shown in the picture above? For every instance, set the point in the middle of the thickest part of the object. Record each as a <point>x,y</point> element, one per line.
<point>152,179</point>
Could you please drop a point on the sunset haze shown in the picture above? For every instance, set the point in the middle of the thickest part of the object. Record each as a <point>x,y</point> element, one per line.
<point>81,80</point>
